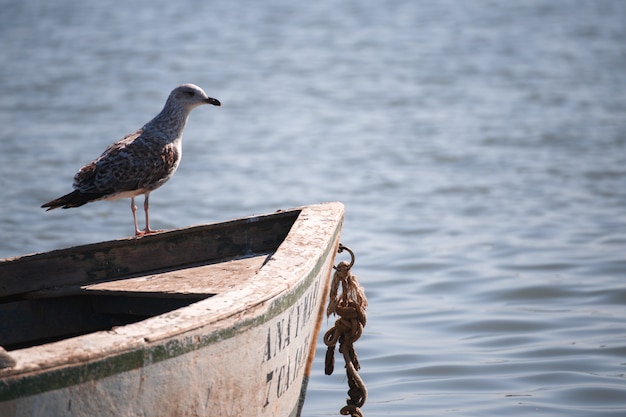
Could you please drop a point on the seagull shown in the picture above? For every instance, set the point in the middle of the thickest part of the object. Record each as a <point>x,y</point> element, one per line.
<point>140,162</point>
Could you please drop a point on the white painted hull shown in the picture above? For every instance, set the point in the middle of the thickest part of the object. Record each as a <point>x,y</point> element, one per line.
<point>242,352</point>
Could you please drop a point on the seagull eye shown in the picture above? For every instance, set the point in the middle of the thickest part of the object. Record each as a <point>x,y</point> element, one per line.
<point>190,93</point>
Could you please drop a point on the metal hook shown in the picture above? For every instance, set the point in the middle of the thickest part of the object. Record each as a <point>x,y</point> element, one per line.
<point>341,249</point>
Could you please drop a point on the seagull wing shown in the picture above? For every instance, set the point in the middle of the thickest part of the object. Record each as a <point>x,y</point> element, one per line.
<point>134,163</point>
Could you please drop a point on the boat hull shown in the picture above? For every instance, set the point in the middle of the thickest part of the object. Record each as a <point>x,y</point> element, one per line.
<point>242,352</point>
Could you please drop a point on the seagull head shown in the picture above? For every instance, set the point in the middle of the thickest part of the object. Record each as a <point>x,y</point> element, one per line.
<point>190,96</point>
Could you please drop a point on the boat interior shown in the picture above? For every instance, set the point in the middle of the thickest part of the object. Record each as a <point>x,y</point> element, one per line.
<point>70,292</point>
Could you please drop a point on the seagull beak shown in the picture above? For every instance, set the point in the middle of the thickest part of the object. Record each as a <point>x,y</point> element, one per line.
<point>213,101</point>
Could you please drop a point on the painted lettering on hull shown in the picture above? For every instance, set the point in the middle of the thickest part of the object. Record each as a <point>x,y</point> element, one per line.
<point>287,346</point>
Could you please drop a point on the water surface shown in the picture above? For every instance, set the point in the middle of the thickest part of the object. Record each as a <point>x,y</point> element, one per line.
<point>479,147</point>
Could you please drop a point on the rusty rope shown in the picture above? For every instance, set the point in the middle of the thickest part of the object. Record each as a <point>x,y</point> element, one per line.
<point>350,306</point>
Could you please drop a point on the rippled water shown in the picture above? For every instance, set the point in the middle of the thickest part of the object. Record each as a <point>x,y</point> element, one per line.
<point>479,147</point>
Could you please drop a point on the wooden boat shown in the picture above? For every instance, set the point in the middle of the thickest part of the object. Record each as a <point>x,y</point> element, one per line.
<point>212,320</point>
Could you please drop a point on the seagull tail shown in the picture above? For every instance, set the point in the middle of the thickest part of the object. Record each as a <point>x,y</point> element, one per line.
<point>73,199</point>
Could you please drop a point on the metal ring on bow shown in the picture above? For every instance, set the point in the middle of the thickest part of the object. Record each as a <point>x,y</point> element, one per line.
<point>341,249</point>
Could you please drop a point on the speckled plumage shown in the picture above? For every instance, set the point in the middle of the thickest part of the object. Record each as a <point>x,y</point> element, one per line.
<point>140,162</point>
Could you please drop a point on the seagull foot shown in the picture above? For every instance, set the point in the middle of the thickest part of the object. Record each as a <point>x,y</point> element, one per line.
<point>139,233</point>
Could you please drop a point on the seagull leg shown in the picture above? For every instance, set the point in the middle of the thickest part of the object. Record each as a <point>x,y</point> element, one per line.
<point>133,207</point>
<point>146,208</point>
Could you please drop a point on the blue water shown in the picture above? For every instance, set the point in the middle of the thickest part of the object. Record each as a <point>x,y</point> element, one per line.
<point>479,147</point>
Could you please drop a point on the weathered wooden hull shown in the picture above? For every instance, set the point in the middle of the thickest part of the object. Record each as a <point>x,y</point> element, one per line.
<point>245,350</point>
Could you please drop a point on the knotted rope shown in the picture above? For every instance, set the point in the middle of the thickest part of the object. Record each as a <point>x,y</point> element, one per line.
<point>350,306</point>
